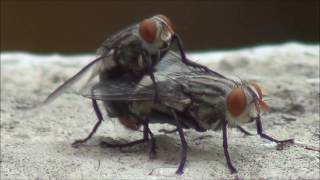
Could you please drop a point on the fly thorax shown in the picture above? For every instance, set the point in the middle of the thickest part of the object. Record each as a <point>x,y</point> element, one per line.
<point>130,58</point>
<point>107,62</point>
<point>208,115</point>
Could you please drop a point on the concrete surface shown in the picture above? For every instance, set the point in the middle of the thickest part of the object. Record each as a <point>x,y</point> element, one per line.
<point>35,144</point>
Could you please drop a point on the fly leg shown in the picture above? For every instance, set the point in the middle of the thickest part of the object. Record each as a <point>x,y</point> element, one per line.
<point>225,147</point>
<point>77,143</point>
<point>168,131</point>
<point>146,133</point>
<point>156,95</point>
<point>188,62</point>
<point>153,153</point>
<point>263,135</point>
<point>244,131</point>
<point>183,143</point>
<point>147,58</point>
<point>144,139</point>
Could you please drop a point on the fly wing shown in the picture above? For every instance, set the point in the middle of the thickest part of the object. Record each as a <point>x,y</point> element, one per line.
<point>172,65</point>
<point>172,62</point>
<point>123,90</point>
<point>104,61</point>
<point>168,73</point>
<point>85,74</point>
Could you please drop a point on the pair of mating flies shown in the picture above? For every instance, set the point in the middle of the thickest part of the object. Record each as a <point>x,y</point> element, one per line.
<point>141,81</point>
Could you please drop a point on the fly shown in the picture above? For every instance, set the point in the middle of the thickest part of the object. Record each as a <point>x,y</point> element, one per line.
<point>129,54</point>
<point>188,98</point>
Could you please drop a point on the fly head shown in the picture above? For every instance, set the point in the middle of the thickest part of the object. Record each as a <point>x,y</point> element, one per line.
<point>244,103</point>
<point>156,33</point>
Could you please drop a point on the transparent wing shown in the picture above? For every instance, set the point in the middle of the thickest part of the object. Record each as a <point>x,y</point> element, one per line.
<point>173,65</point>
<point>85,74</point>
<point>123,90</point>
<point>170,74</point>
<point>90,71</point>
<point>172,62</point>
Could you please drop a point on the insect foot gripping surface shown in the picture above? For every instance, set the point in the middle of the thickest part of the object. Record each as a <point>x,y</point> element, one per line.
<point>280,143</point>
<point>96,108</point>
<point>146,133</point>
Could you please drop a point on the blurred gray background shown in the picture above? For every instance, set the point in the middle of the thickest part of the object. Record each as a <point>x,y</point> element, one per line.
<point>76,26</point>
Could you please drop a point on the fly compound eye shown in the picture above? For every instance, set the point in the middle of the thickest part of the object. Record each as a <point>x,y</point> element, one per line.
<point>236,101</point>
<point>148,30</point>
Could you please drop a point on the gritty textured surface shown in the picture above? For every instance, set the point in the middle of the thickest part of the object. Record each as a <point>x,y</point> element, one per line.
<point>36,143</point>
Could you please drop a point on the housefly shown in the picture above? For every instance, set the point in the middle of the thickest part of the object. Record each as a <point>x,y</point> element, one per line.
<point>129,54</point>
<point>188,98</point>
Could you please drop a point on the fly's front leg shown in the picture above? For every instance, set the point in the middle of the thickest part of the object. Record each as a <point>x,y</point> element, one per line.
<point>263,135</point>
<point>96,108</point>
<point>183,143</point>
<point>225,147</point>
<point>147,58</point>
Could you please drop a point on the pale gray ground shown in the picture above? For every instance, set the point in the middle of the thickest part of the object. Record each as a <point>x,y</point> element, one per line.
<point>35,144</point>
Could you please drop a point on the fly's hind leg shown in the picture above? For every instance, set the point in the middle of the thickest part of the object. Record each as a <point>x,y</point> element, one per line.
<point>96,108</point>
<point>188,62</point>
<point>144,139</point>
<point>153,153</point>
<point>244,131</point>
<point>146,133</point>
<point>168,131</point>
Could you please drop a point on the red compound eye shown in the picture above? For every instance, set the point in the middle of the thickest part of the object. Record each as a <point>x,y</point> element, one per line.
<point>148,30</point>
<point>236,101</point>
